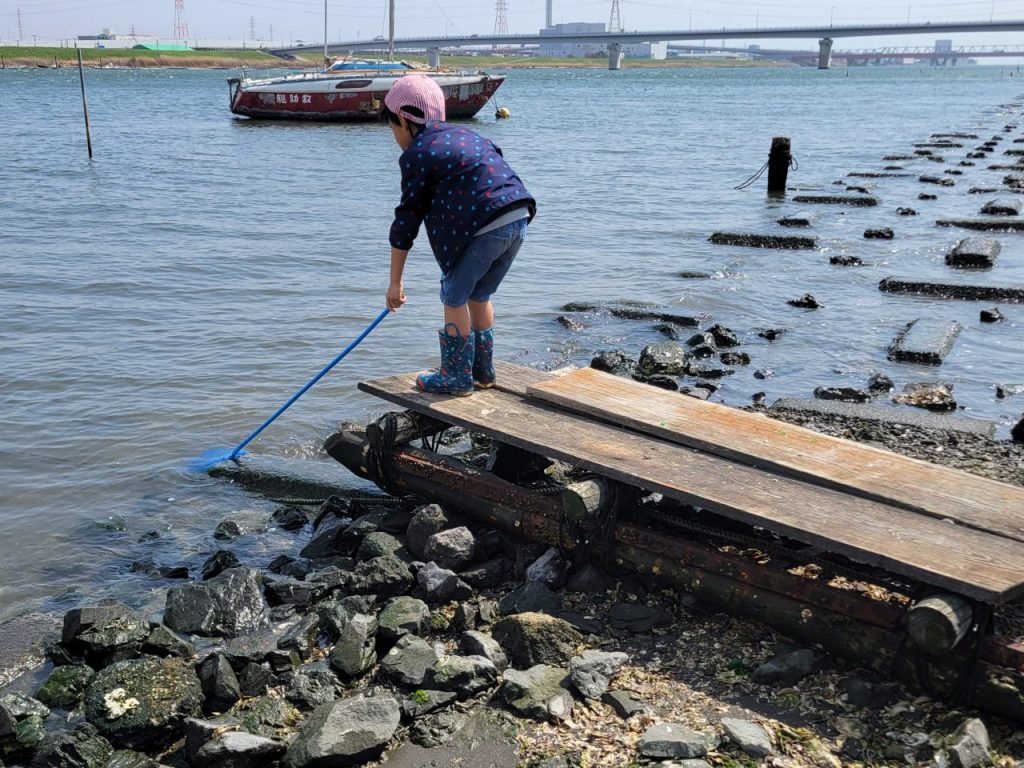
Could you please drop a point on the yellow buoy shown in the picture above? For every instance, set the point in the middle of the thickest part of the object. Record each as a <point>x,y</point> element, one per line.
<point>502,113</point>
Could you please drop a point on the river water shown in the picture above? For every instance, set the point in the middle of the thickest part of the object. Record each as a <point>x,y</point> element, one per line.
<point>169,296</point>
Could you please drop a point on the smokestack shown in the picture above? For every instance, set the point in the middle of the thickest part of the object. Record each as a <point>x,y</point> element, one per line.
<point>547,17</point>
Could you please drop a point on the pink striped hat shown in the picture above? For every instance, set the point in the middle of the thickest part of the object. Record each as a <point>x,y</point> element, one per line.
<point>416,91</point>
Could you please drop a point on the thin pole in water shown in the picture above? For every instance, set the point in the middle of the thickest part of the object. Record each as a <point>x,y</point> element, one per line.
<point>85,104</point>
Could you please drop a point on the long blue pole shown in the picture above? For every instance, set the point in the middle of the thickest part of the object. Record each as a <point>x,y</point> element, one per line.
<point>310,383</point>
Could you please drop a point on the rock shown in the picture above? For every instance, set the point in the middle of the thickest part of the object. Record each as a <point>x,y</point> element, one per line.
<point>787,668</point>
<point>312,685</point>
<point>807,301</point>
<point>844,394</point>
<point>771,334</point>
<point>724,337</point>
<point>669,740</point>
<point>906,211</point>
<point>882,233</point>
<point>335,615</point>
<point>1002,206</point>
<point>227,605</point>
<point>218,562</point>
<point>462,675</point>
<point>749,737</point>
<point>253,678</point>
<point>302,637</point>
<point>426,521</point>
<point>659,381</point>
<point>625,704</point>
<point>105,633</point>
<point>362,527</point>
<point>750,240</point>
<point>570,323</point>
<point>437,729</point>
<point>326,539</point>
<point>401,616</point>
<point>932,395</point>
<point>227,530</point>
<point>1017,433</point>
<point>386,575</point>
<point>969,746</point>
<point>377,544</point>
<point>974,252</point>
<point>65,686</point>
<point>764,373</point>
<point>991,315</point>
<point>531,597</point>
<point>636,618</point>
<point>591,579</point>
<point>667,358</point>
<point>535,638</point>
<point>284,590</point>
<point>269,716</point>
<point>613,362</point>
<point>289,519</point>
<point>346,732</point>
<point>163,642</point>
<point>238,749</point>
<point>421,702</point>
<point>488,574</point>
<point>734,358</point>
<point>847,261</point>
<point>82,748</point>
<point>466,616</point>
<point>668,330</point>
<point>452,549</point>
<point>408,661</point>
<point>539,692</point>
<point>880,384</point>
<point>142,704</point>
<point>592,671</point>
<point>481,644</point>
<point>436,584</point>
<point>219,684</point>
<point>549,569</point>
<point>355,652</point>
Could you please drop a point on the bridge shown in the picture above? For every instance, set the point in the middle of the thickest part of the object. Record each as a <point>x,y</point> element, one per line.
<point>865,56</point>
<point>615,40</point>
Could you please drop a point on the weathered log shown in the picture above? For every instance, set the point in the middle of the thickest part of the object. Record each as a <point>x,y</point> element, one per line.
<point>779,160</point>
<point>938,623</point>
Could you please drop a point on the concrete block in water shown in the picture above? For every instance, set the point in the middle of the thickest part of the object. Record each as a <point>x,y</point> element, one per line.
<point>925,341</point>
<point>859,201</point>
<point>880,174</point>
<point>785,242</point>
<point>942,181</point>
<point>797,220</point>
<point>1002,206</point>
<point>991,225</point>
<point>974,252</point>
<point>951,290</point>
<point>887,415</point>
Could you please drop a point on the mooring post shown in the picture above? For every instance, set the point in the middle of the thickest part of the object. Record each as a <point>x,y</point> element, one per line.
<point>938,622</point>
<point>778,165</point>
<point>85,104</point>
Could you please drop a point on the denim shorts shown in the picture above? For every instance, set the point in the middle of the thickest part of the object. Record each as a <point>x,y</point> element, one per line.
<point>481,269</point>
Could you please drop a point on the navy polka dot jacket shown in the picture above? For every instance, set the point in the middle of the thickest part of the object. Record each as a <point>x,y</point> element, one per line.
<point>455,181</point>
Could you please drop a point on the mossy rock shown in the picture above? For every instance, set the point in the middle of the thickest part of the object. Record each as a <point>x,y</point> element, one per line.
<point>65,686</point>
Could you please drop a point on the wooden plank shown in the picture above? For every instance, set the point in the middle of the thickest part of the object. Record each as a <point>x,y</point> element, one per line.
<point>756,440</point>
<point>959,559</point>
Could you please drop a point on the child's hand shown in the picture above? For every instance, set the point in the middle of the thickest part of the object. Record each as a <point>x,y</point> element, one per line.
<point>395,296</point>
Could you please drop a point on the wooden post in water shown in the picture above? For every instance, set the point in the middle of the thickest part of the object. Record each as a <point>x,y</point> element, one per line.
<point>85,104</point>
<point>778,165</point>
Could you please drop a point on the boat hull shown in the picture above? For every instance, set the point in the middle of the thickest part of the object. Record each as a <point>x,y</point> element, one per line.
<point>349,98</point>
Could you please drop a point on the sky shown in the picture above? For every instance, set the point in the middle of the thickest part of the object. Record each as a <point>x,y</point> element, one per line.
<point>287,21</point>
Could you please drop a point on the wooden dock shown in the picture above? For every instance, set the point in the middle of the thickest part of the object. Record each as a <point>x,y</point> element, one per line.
<point>940,527</point>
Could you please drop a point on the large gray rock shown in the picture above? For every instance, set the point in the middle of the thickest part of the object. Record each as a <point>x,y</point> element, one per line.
<point>970,745</point>
<point>385,575</point>
<point>220,685</point>
<point>238,749</point>
<point>402,616</point>
<point>326,539</point>
<point>426,521</point>
<point>142,704</point>
<point>342,733</point>
<point>227,605</point>
<point>462,675</point>
<point>672,741</point>
<point>378,544</point>
<point>668,358</point>
<point>539,692</point>
<point>529,639</point>
<point>592,671</point>
<point>481,644</point>
<point>103,634</point>
<point>355,652</point>
<point>531,597</point>
<point>407,663</point>
<point>65,686</point>
<point>436,584</point>
<point>451,549</point>
<point>312,685</point>
<point>82,748</point>
<point>787,668</point>
<point>748,736</point>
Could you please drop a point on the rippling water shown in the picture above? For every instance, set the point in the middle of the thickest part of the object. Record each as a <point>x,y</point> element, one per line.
<point>168,297</point>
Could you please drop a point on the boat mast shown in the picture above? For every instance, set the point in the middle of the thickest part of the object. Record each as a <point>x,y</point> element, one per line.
<point>391,30</point>
<point>327,61</point>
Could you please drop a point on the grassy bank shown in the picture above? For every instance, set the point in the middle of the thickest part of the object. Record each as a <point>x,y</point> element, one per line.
<point>121,57</point>
<point>118,57</point>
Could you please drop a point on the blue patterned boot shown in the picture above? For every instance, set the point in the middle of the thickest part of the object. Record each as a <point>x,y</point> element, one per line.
<point>483,359</point>
<point>455,376</point>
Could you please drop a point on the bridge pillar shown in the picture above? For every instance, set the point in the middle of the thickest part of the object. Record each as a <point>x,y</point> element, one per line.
<point>615,56</point>
<point>434,57</point>
<point>825,53</point>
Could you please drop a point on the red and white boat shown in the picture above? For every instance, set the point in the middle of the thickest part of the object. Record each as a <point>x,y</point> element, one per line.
<point>353,90</point>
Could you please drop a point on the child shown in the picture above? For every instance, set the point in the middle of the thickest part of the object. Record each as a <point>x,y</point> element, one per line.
<point>475,209</point>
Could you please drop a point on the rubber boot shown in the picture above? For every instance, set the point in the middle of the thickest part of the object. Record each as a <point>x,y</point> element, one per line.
<point>455,376</point>
<point>483,359</point>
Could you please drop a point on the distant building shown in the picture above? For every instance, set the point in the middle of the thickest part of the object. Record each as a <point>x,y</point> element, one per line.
<point>562,50</point>
<point>653,51</point>
<point>943,46</point>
